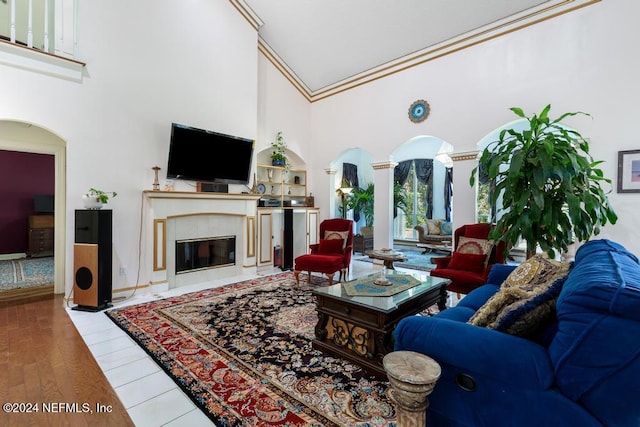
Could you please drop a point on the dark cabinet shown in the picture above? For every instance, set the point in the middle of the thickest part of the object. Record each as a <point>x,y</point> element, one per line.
<point>41,235</point>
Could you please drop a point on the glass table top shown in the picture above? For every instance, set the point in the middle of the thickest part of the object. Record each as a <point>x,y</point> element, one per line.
<point>384,303</point>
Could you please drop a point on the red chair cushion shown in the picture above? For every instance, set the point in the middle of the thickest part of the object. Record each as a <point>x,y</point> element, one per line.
<point>474,263</point>
<point>331,246</point>
<point>324,263</point>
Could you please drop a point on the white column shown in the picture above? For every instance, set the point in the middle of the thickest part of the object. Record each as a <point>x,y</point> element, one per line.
<point>332,190</point>
<point>464,206</point>
<point>383,209</point>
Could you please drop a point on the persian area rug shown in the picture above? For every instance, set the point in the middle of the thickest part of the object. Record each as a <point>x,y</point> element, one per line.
<point>415,260</point>
<point>243,354</point>
<point>22,273</point>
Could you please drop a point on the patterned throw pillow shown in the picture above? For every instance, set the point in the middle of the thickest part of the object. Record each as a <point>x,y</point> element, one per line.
<point>469,245</point>
<point>446,227</point>
<point>526,300</point>
<point>433,226</point>
<point>337,235</point>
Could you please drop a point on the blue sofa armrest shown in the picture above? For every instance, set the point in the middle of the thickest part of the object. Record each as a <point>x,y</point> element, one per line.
<point>477,351</point>
<point>499,273</point>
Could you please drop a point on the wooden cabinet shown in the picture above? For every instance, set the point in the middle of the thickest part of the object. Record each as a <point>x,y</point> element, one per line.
<point>280,187</point>
<point>41,235</point>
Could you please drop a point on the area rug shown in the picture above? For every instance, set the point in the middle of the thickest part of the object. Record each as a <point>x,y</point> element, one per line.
<point>22,273</point>
<point>243,354</point>
<point>415,260</point>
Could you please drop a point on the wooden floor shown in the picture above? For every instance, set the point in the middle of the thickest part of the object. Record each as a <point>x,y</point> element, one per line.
<point>45,362</point>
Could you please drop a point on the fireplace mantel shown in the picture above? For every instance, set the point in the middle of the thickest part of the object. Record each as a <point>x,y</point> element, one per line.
<point>165,213</point>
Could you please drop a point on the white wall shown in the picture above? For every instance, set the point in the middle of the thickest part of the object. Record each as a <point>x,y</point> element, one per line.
<point>583,61</point>
<point>149,62</point>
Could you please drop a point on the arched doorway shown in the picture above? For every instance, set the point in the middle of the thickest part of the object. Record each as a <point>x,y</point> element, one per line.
<point>425,198</point>
<point>29,137</point>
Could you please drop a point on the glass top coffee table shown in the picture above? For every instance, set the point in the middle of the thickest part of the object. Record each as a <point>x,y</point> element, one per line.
<point>360,327</point>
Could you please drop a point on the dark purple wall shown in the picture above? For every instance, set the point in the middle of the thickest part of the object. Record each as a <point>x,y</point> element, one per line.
<point>22,175</point>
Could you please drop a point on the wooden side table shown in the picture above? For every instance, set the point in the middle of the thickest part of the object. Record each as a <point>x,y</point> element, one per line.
<point>389,257</point>
<point>412,377</point>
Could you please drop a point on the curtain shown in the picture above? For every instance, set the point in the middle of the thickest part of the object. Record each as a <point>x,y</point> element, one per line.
<point>350,174</point>
<point>401,171</point>
<point>350,178</point>
<point>424,173</point>
<point>448,193</point>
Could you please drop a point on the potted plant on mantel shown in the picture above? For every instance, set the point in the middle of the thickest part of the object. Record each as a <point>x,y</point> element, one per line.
<point>547,184</point>
<point>95,199</point>
<point>279,156</point>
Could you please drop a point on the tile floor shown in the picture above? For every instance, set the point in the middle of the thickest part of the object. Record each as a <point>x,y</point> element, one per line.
<point>150,396</point>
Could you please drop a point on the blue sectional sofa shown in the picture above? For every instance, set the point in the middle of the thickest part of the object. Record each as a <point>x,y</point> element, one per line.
<point>582,370</point>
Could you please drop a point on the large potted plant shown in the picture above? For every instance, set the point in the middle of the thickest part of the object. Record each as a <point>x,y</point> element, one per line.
<point>361,201</point>
<point>547,184</point>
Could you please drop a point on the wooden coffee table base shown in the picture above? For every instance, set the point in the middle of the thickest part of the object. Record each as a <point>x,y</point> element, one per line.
<point>364,335</point>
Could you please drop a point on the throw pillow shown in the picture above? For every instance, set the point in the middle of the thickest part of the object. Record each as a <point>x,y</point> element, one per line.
<point>525,302</point>
<point>328,234</point>
<point>446,227</point>
<point>467,262</point>
<point>470,245</point>
<point>331,246</point>
<point>433,226</point>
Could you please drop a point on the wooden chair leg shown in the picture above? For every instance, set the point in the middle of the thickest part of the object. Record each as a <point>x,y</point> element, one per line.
<point>296,274</point>
<point>330,276</point>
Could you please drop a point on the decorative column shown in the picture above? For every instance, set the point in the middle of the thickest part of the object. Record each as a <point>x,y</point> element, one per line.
<point>412,377</point>
<point>332,191</point>
<point>465,200</point>
<point>383,209</point>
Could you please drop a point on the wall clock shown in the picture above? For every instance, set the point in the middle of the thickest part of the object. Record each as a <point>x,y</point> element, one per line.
<point>419,111</point>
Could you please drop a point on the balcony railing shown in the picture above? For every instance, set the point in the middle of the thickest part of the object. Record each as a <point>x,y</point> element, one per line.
<point>29,28</point>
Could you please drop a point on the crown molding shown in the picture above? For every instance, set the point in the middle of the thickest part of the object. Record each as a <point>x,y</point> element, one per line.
<point>248,13</point>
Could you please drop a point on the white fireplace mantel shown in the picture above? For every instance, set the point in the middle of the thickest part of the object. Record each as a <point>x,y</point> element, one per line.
<point>166,214</point>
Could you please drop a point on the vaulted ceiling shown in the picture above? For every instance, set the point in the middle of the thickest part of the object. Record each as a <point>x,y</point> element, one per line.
<point>327,46</point>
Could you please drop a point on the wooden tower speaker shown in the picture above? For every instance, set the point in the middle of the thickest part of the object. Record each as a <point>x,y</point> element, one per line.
<point>92,260</point>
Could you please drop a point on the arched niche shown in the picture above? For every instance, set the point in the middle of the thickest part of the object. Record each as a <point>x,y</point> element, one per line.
<point>29,137</point>
<point>423,147</point>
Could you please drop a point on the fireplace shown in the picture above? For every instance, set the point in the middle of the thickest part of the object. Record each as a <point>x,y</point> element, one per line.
<point>205,253</point>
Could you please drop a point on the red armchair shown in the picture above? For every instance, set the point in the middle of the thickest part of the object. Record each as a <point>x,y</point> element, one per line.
<point>331,254</point>
<point>467,269</point>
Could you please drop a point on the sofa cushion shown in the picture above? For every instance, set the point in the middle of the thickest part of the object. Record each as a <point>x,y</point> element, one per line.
<point>446,228</point>
<point>598,327</point>
<point>467,261</point>
<point>525,302</point>
<point>331,246</point>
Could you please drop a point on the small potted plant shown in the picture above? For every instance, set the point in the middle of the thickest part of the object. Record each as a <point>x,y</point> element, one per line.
<point>95,199</point>
<point>279,156</point>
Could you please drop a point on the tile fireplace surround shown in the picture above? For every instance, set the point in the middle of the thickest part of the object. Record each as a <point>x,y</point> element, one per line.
<point>175,215</point>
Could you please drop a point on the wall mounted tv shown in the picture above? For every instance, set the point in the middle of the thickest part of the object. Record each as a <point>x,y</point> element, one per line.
<point>206,156</point>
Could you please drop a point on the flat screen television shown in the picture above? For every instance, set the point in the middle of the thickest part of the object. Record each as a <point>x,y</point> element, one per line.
<point>207,156</point>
